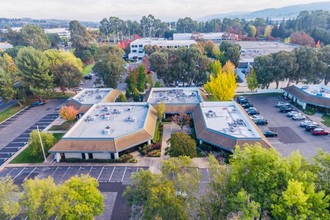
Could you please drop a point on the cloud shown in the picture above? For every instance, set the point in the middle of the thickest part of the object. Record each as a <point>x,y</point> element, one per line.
<point>95,10</point>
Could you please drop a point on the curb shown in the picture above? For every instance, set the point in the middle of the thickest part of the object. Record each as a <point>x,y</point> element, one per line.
<point>14,115</point>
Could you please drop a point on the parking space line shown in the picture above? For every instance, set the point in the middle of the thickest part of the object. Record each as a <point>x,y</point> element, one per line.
<point>19,173</point>
<point>112,173</point>
<point>11,171</point>
<point>65,172</point>
<point>100,174</point>
<point>90,170</point>
<point>29,174</point>
<point>54,171</point>
<point>123,174</point>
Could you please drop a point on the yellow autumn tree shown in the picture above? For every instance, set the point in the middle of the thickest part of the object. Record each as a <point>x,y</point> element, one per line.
<point>222,84</point>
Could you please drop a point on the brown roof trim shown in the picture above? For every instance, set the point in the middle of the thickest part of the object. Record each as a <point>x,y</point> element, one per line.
<point>308,98</point>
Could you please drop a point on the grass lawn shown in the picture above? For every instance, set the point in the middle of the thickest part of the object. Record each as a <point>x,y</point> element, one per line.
<point>25,156</point>
<point>9,112</point>
<point>326,119</point>
<point>87,69</point>
<point>65,126</point>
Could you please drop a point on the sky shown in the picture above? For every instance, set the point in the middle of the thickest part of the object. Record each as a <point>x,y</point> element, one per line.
<point>167,10</point>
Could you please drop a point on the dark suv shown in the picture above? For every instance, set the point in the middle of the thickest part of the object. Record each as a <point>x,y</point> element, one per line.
<point>286,109</point>
<point>311,127</point>
<point>260,121</point>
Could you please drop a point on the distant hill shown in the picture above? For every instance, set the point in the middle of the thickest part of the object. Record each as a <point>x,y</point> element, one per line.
<point>274,13</point>
<point>43,23</point>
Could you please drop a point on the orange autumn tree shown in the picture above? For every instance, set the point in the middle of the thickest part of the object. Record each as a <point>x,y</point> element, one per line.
<point>68,113</point>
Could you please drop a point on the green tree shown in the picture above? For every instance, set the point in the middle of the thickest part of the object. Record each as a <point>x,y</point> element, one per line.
<point>82,198</point>
<point>48,141</point>
<point>54,40</point>
<point>9,208</point>
<point>222,85</point>
<point>322,165</point>
<point>150,81</point>
<point>169,195</point>
<point>30,35</point>
<point>66,76</point>
<point>230,52</point>
<point>251,30</point>
<point>8,74</point>
<point>34,71</point>
<point>131,83</point>
<point>251,80</point>
<point>264,68</point>
<point>41,198</point>
<point>161,107</point>
<point>159,64</point>
<point>121,98</point>
<point>181,144</point>
<point>80,39</point>
<point>141,78</point>
<point>111,66</point>
<point>301,202</point>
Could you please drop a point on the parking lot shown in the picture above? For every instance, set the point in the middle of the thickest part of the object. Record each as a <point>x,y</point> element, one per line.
<point>11,148</point>
<point>112,180</point>
<point>291,136</point>
<point>7,122</point>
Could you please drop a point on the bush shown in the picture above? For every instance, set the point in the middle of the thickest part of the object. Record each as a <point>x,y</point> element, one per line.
<point>150,150</point>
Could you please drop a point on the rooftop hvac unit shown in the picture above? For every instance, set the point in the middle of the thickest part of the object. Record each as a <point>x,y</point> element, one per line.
<point>107,130</point>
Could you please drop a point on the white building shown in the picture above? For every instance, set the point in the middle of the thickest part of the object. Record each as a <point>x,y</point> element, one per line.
<point>62,32</point>
<point>137,46</point>
<point>215,37</point>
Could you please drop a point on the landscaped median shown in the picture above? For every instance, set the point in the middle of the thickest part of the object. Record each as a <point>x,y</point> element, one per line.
<point>10,112</point>
<point>26,155</point>
<point>326,119</point>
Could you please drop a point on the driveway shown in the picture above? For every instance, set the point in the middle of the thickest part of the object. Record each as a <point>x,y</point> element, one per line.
<point>291,136</point>
<point>24,121</point>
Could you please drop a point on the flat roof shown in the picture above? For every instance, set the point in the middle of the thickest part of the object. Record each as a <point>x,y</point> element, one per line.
<point>162,42</point>
<point>110,120</point>
<point>175,95</point>
<point>252,49</point>
<point>316,89</point>
<point>228,118</point>
<point>91,96</point>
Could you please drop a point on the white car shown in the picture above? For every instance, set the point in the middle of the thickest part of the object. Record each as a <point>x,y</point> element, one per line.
<point>281,104</point>
<point>290,114</point>
<point>307,122</point>
<point>298,117</point>
<point>255,117</point>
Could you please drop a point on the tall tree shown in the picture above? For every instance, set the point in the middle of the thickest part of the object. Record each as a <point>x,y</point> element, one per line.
<point>110,67</point>
<point>159,64</point>
<point>82,198</point>
<point>34,71</point>
<point>141,78</point>
<point>30,35</point>
<point>9,208</point>
<point>222,85</point>
<point>80,39</point>
<point>41,198</point>
<point>251,80</point>
<point>230,52</point>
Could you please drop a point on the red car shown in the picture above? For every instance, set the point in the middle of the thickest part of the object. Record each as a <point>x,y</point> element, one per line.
<point>320,131</point>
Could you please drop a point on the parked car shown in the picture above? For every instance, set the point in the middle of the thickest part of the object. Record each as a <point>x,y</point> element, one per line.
<point>320,131</point>
<point>242,100</point>
<point>281,104</point>
<point>290,114</point>
<point>253,112</point>
<point>260,121</point>
<point>298,116</point>
<point>253,117</point>
<point>311,127</point>
<point>38,103</point>
<point>270,134</point>
<point>286,109</point>
<point>306,122</point>
<point>88,76</point>
<point>247,105</point>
